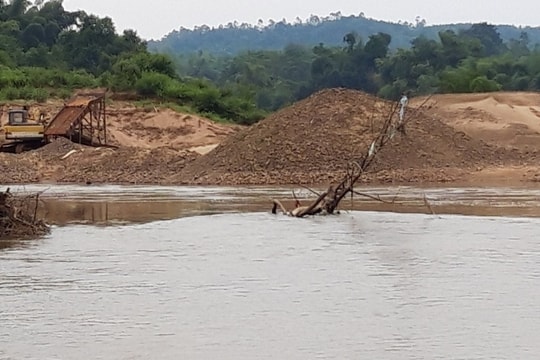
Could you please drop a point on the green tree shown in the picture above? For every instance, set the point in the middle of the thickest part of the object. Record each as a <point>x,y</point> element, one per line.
<point>483,84</point>
<point>377,47</point>
<point>17,8</point>
<point>88,47</point>
<point>455,48</point>
<point>33,35</point>
<point>350,40</point>
<point>488,36</point>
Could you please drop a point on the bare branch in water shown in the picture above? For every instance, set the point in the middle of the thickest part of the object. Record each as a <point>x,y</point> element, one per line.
<point>329,201</point>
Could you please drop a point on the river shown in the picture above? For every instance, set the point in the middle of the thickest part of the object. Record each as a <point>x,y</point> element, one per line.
<point>209,273</point>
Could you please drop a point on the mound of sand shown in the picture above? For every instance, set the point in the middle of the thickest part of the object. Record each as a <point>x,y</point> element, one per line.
<point>150,128</point>
<point>153,144</point>
<point>313,140</point>
<point>124,165</point>
<point>478,137</point>
<point>15,169</point>
<point>57,148</point>
<point>509,119</point>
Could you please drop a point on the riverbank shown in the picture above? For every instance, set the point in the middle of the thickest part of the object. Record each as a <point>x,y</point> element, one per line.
<point>476,139</point>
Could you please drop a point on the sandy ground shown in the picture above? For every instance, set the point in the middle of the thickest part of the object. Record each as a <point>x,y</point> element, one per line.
<point>154,128</point>
<point>151,127</point>
<point>470,139</point>
<point>505,119</point>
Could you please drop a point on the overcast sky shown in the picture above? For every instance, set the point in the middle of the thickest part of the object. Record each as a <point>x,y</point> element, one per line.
<point>155,18</point>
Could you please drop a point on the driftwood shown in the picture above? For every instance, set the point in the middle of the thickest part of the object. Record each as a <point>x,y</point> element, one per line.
<point>18,216</point>
<point>328,201</point>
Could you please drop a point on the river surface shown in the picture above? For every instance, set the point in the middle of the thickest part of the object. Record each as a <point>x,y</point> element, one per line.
<point>209,273</point>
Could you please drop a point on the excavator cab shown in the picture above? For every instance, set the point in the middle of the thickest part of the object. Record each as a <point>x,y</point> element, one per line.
<point>20,127</point>
<point>21,132</point>
<point>17,117</point>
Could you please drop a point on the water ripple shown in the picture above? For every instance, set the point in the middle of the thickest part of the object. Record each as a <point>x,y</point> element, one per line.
<point>358,285</point>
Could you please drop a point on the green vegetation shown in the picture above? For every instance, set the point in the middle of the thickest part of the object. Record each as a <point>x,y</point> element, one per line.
<point>234,38</point>
<point>474,59</point>
<point>46,51</point>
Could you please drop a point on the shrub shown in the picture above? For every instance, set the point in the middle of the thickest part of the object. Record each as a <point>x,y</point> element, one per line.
<point>10,93</point>
<point>11,77</point>
<point>40,95</point>
<point>483,84</point>
<point>176,90</point>
<point>62,93</point>
<point>152,84</point>
<point>80,79</point>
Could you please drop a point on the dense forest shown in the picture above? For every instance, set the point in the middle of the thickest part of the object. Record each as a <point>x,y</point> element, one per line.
<point>474,59</point>
<point>233,38</point>
<point>47,51</point>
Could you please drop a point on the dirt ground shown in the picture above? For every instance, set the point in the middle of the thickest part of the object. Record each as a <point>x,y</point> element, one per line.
<point>466,139</point>
<point>152,128</point>
<point>152,144</point>
<point>508,120</point>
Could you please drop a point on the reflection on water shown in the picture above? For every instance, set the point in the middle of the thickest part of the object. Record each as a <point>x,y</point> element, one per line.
<point>112,204</point>
<point>117,204</point>
<point>4,244</point>
<point>362,285</point>
<point>65,211</point>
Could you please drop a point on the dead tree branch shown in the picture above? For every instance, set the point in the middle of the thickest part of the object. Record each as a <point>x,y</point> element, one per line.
<point>18,216</point>
<point>376,198</point>
<point>329,200</point>
<point>310,190</point>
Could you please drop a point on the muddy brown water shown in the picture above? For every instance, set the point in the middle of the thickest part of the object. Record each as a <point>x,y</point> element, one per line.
<point>208,273</point>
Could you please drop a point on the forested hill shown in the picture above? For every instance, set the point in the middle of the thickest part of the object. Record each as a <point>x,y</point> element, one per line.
<point>234,38</point>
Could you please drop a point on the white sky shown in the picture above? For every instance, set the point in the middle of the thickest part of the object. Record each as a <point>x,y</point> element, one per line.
<point>156,18</point>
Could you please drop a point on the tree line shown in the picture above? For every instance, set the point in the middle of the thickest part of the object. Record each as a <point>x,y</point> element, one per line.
<point>475,59</point>
<point>48,51</point>
<point>234,38</point>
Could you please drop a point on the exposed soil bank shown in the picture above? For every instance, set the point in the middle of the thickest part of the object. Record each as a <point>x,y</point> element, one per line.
<point>481,139</point>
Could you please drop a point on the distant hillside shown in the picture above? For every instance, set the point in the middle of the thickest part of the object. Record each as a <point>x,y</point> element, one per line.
<point>234,38</point>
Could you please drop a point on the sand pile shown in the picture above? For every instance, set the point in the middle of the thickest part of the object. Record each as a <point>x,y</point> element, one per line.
<point>58,148</point>
<point>124,165</point>
<point>310,142</point>
<point>14,169</point>
<point>313,140</point>
<point>153,127</point>
<point>55,162</point>
<point>506,119</point>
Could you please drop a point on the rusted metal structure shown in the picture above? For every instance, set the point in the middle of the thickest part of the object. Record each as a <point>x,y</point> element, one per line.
<point>82,120</point>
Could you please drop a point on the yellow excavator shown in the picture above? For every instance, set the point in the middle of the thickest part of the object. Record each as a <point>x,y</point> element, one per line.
<point>82,119</point>
<point>23,130</point>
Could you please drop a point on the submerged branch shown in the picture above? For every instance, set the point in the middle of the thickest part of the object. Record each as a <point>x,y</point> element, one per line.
<point>375,197</point>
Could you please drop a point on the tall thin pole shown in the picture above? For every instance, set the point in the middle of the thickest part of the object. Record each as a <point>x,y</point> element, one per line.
<point>104,121</point>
